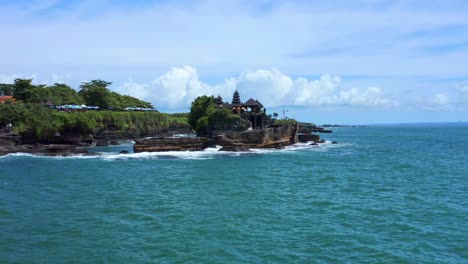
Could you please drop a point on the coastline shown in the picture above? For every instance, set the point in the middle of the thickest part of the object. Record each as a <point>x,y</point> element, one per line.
<point>165,141</point>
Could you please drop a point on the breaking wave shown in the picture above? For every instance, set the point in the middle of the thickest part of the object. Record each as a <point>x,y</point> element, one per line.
<point>209,153</point>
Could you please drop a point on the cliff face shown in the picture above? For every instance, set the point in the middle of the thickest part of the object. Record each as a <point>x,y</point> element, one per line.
<point>155,144</point>
<point>304,138</point>
<point>274,137</point>
<point>9,139</point>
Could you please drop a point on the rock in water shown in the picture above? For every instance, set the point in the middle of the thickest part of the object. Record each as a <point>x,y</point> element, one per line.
<point>153,144</point>
<point>102,143</point>
<point>235,148</point>
<point>304,138</point>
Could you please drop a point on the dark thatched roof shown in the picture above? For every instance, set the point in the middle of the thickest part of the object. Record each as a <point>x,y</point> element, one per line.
<point>253,103</point>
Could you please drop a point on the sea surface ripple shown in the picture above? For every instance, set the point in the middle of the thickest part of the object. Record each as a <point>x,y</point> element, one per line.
<point>383,194</point>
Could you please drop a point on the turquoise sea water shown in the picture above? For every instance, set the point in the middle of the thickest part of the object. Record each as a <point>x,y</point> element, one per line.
<point>382,195</point>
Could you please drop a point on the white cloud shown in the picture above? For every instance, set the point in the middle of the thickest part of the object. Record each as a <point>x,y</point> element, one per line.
<point>10,78</point>
<point>179,86</point>
<point>440,99</point>
<point>402,38</point>
<point>440,102</point>
<point>59,78</point>
<point>175,89</point>
<point>464,89</point>
<point>53,78</point>
<point>269,86</point>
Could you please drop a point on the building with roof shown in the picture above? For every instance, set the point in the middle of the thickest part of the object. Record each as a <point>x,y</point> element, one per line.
<point>252,110</point>
<point>5,98</point>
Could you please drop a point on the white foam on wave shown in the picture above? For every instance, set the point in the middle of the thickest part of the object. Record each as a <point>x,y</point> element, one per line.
<point>19,154</point>
<point>204,154</point>
<point>209,153</point>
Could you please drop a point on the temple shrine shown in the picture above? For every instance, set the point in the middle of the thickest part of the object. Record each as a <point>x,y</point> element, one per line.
<point>252,110</point>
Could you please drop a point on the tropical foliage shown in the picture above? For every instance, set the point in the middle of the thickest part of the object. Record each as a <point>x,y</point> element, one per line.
<point>31,117</point>
<point>41,123</point>
<point>204,117</point>
<point>93,93</point>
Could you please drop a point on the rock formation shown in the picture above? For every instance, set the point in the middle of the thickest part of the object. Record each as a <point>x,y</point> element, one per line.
<point>272,137</point>
<point>154,144</point>
<point>304,138</point>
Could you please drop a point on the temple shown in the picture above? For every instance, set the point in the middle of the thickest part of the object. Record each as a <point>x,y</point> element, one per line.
<point>252,110</point>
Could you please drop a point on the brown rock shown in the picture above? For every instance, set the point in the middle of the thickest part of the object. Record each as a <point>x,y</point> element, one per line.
<point>304,138</point>
<point>170,144</point>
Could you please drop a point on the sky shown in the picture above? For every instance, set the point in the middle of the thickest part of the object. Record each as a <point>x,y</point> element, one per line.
<point>343,62</point>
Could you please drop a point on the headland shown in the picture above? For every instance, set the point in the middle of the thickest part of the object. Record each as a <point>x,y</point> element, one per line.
<point>57,120</point>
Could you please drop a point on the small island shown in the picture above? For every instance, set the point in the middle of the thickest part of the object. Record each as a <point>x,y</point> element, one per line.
<point>58,120</point>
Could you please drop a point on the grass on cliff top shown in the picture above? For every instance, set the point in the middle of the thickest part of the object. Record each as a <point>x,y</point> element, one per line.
<point>39,122</point>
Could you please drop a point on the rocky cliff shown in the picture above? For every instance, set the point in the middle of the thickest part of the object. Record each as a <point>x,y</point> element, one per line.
<point>273,137</point>
<point>155,144</point>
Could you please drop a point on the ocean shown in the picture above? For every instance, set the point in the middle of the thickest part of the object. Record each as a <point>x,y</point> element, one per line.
<point>383,194</point>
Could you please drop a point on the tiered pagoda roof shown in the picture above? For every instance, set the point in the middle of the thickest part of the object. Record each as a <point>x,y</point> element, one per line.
<point>219,100</point>
<point>236,99</point>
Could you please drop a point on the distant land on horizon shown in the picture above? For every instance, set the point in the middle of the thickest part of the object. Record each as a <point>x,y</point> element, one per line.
<point>459,123</point>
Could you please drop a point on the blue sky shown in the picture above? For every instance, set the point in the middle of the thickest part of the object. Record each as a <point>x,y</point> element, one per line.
<point>364,61</point>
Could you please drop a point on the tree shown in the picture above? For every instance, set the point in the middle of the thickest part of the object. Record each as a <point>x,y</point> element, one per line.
<point>6,89</point>
<point>96,93</point>
<point>37,94</point>
<point>199,109</point>
<point>61,94</point>
<point>21,88</point>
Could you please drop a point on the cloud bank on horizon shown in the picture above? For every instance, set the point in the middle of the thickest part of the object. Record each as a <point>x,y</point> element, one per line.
<point>177,88</point>
<point>391,57</point>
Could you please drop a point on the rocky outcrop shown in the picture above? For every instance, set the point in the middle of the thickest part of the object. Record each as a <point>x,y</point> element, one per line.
<point>44,149</point>
<point>273,137</point>
<point>11,142</point>
<point>9,138</point>
<point>304,138</point>
<point>155,144</point>
<point>307,128</point>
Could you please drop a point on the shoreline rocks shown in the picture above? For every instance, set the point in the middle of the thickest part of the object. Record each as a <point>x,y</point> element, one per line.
<point>157,144</point>
<point>304,138</point>
<point>272,137</point>
<point>44,149</point>
<point>276,137</point>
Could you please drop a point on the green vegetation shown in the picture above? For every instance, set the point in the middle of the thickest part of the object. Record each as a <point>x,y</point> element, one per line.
<point>285,121</point>
<point>41,123</point>
<point>93,93</point>
<point>204,117</point>
<point>58,94</point>
<point>96,93</point>
<point>30,116</point>
<point>198,116</point>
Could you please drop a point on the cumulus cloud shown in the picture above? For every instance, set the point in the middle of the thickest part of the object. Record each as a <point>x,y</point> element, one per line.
<point>452,99</point>
<point>179,86</point>
<point>175,89</point>
<point>440,102</point>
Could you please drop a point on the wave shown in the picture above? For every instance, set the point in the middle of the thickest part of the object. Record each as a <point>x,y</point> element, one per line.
<point>209,153</point>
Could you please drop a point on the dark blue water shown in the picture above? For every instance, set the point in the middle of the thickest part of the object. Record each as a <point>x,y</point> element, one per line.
<point>384,194</point>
